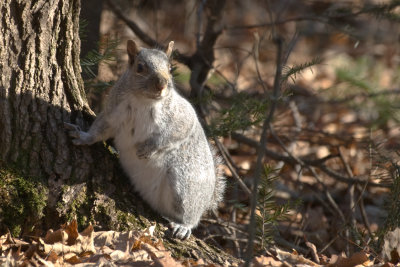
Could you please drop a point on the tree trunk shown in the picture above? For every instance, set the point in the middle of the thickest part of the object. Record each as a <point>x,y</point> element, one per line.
<point>45,179</point>
<point>40,88</point>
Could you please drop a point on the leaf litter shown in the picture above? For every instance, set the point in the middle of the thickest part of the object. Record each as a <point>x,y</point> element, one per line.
<point>66,247</point>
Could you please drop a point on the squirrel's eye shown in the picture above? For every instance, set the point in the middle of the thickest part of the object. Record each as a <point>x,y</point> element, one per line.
<point>170,67</point>
<point>140,68</point>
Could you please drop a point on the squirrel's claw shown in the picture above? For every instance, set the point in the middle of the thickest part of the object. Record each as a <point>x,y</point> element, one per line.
<point>181,232</point>
<point>79,137</point>
<point>72,127</point>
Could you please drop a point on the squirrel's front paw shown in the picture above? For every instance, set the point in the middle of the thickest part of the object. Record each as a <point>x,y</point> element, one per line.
<point>143,150</point>
<point>79,137</point>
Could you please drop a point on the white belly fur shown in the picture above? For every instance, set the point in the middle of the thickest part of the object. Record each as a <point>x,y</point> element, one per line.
<point>147,176</point>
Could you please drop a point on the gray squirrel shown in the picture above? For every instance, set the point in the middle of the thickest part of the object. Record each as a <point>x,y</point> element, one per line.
<point>161,143</point>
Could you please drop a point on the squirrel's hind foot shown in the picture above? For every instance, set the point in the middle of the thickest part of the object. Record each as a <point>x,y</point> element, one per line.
<point>180,231</point>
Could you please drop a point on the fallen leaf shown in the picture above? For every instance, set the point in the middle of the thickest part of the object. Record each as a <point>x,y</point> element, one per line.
<point>72,230</point>
<point>358,258</point>
<point>266,261</point>
<point>30,251</point>
<point>54,237</point>
<point>118,255</point>
<point>88,230</point>
<point>115,240</point>
<point>86,254</point>
<point>8,239</point>
<point>294,258</point>
<point>314,252</point>
<point>73,260</point>
<point>136,245</point>
<point>162,258</point>
<point>53,257</point>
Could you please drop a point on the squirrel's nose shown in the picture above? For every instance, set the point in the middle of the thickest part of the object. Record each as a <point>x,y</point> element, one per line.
<point>160,82</point>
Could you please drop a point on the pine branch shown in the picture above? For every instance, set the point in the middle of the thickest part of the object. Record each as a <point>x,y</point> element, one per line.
<point>292,72</point>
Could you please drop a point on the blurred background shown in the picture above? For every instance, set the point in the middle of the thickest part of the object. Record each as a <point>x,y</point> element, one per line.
<point>330,174</point>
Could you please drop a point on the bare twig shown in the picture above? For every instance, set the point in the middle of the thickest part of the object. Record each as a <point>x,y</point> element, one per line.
<point>270,24</point>
<point>262,148</point>
<point>143,35</point>
<point>327,194</point>
<point>360,200</point>
<point>365,217</point>
<point>325,18</point>
<point>363,95</point>
<point>316,163</point>
<point>256,55</point>
<point>235,175</point>
<point>329,244</point>
<point>352,204</point>
<point>132,25</point>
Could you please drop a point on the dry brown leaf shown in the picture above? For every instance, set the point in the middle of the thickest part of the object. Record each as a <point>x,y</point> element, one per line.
<point>136,245</point>
<point>53,257</point>
<point>53,237</point>
<point>30,251</point>
<point>61,248</point>
<point>161,258</point>
<point>86,240</point>
<point>25,263</point>
<point>98,257</point>
<point>115,240</point>
<point>88,230</point>
<point>167,261</point>
<point>189,262</point>
<point>314,252</point>
<point>73,260</point>
<point>105,250</point>
<point>154,253</point>
<point>356,259</point>
<point>8,239</point>
<point>43,262</point>
<point>86,254</point>
<point>7,242</point>
<point>294,258</point>
<point>140,255</point>
<point>266,261</point>
<point>146,239</point>
<point>17,254</point>
<point>324,260</point>
<point>119,255</point>
<point>159,245</point>
<point>72,230</point>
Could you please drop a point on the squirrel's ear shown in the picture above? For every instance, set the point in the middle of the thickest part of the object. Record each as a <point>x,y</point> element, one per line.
<point>169,49</point>
<point>132,49</point>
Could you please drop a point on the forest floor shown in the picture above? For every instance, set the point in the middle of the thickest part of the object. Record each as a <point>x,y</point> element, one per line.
<point>336,120</point>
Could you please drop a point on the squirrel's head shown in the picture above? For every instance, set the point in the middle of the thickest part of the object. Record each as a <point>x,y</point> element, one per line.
<point>150,70</point>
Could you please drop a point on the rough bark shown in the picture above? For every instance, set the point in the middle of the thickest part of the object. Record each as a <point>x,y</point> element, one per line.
<point>40,88</point>
<point>44,179</point>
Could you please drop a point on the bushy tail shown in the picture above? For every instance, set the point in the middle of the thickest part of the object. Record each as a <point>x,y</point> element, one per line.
<point>220,181</point>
